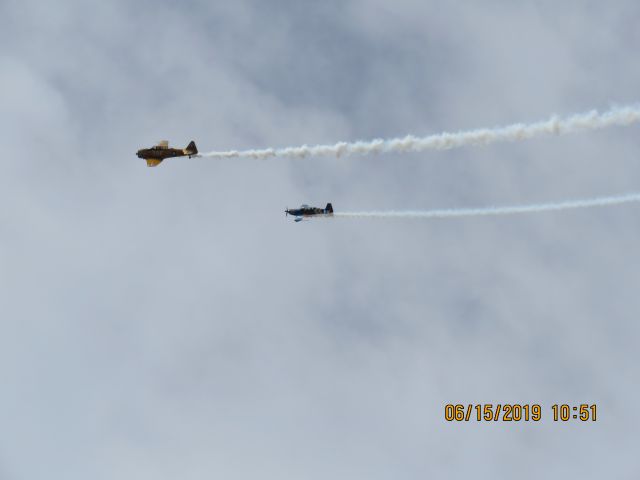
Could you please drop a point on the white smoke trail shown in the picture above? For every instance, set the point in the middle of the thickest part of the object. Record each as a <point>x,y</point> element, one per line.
<point>473,212</point>
<point>554,126</point>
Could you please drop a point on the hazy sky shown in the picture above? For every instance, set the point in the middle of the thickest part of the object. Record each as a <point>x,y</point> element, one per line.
<point>172,323</point>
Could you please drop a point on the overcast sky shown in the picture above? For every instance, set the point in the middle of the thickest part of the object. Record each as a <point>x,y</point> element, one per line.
<point>172,323</point>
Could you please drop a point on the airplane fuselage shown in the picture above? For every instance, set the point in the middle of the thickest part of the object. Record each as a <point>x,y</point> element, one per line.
<point>160,153</point>
<point>305,212</point>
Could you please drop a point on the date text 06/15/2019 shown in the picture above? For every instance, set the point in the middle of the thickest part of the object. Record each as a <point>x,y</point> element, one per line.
<point>516,412</point>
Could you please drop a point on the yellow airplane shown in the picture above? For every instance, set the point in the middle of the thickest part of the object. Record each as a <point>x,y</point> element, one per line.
<point>155,155</point>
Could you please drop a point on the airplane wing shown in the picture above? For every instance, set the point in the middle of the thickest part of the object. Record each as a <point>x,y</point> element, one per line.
<point>163,143</point>
<point>297,219</point>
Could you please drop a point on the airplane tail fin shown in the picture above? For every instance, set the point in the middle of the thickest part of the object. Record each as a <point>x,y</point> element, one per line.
<point>153,162</point>
<point>328,208</point>
<point>192,149</point>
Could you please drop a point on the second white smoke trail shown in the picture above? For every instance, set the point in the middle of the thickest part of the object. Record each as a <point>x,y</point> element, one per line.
<point>443,141</point>
<point>509,210</point>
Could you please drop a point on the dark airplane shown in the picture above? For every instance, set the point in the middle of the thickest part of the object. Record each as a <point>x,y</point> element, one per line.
<point>307,211</point>
<point>157,154</point>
